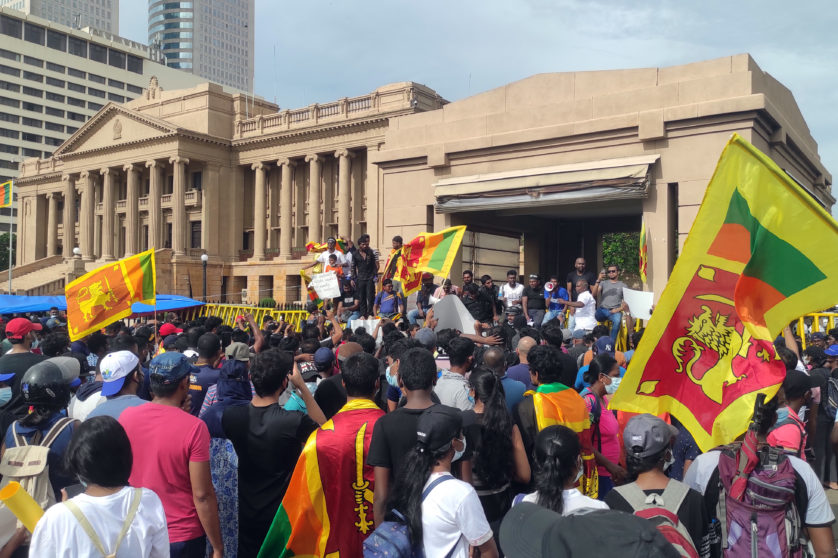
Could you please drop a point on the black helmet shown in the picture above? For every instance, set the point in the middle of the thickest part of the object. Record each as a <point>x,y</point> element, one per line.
<point>43,385</point>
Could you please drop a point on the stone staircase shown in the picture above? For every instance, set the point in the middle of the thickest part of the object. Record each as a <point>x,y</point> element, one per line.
<point>44,280</point>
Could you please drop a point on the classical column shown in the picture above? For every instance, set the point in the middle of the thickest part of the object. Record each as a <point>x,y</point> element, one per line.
<point>285,226</point>
<point>87,216</point>
<point>132,201</point>
<point>108,211</point>
<point>69,240</point>
<point>210,209</point>
<point>344,192</point>
<point>314,228</point>
<point>259,199</point>
<point>178,205</point>
<point>52,223</point>
<point>155,169</point>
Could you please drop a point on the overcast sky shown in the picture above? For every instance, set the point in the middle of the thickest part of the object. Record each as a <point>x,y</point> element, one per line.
<point>317,50</point>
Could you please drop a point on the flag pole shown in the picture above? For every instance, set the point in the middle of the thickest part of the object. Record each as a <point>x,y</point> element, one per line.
<point>11,222</point>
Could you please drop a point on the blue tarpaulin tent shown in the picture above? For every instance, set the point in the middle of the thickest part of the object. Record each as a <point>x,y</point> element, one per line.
<point>11,304</point>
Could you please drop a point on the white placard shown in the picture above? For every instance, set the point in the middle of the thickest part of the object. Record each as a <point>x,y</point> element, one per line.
<point>325,285</point>
<point>452,314</point>
<point>369,325</point>
<point>639,303</point>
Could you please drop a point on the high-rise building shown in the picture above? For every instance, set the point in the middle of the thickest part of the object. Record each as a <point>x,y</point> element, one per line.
<point>101,14</point>
<point>211,38</point>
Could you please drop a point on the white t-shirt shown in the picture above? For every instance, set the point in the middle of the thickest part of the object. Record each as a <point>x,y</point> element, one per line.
<point>585,316</point>
<point>78,409</point>
<point>452,515</point>
<point>513,295</point>
<point>324,257</point>
<point>59,533</point>
<point>572,500</point>
<point>819,513</point>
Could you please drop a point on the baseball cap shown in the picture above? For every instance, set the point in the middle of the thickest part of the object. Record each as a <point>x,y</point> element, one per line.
<point>115,367</point>
<point>437,426</point>
<point>18,328</point>
<point>169,342</point>
<point>818,335</point>
<point>647,435</point>
<point>238,351</point>
<point>348,349</point>
<point>832,350</point>
<point>797,383</point>
<point>427,338</point>
<point>604,345</point>
<point>168,329</point>
<point>171,367</point>
<point>578,333</point>
<point>323,358</point>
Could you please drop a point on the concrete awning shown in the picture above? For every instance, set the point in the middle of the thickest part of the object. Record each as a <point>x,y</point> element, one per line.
<point>607,179</point>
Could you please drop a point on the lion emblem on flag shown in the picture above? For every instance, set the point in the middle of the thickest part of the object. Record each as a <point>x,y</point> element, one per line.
<point>96,295</point>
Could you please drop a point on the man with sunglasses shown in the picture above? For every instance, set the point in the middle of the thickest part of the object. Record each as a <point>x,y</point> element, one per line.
<point>611,303</point>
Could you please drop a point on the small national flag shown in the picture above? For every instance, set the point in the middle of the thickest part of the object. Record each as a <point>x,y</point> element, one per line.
<point>644,257</point>
<point>759,255</point>
<point>106,294</point>
<point>305,279</point>
<point>6,193</point>
<point>432,252</point>
<point>327,509</point>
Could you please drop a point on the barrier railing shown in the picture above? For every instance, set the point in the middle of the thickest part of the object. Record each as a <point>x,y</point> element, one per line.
<point>229,312</point>
<point>816,321</point>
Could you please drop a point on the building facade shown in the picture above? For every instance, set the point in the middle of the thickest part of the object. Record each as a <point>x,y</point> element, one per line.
<point>213,39</point>
<point>77,14</point>
<point>538,170</point>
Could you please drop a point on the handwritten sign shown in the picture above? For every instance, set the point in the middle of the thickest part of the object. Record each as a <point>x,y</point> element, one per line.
<point>326,285</point>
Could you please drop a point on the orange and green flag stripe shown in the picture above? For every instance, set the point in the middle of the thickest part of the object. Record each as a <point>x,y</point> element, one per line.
<point>6,193</point>
<point>558,404</point>
<point>140,274</point>
<point>774,269</point>
<point>434,252</point>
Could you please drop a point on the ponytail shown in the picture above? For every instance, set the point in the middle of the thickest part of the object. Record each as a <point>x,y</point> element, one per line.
<point>406,497</point>
<point>494,453</point>
<point>556,454</point>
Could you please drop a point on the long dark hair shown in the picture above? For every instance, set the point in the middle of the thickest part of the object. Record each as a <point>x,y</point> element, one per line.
<point>601,364</point>
<point>555,456</point>
<point>494,460</point>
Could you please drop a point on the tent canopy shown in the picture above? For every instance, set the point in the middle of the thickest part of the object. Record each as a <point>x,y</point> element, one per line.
<point>12,304</point>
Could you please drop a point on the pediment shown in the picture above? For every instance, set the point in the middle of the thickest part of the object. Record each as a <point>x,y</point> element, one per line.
<point>113,126</point>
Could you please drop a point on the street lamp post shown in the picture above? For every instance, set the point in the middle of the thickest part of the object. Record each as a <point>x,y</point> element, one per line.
<point>204,259</point>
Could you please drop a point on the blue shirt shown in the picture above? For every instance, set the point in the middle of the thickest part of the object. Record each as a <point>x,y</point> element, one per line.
<point>387,302</point>
<point>114,406</point>
<point>513,391</point>
<point>554,297</point>
<point>521,372</point>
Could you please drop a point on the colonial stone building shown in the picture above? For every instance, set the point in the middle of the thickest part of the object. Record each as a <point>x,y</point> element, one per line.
<point>538,169</point>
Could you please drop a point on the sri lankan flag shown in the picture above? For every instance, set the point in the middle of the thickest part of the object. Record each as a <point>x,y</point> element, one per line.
<point>328,512</point>
<point>760,254</point>
<point>6,193</point>
<point>106,294</point>
<point>305,279</point>
<point>643,256</point>
<point>318,247</point>
<point>432,252</point>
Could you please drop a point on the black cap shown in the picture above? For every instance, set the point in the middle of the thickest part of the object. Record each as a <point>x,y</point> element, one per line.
<point>437,426</point>
<point>797,383</point>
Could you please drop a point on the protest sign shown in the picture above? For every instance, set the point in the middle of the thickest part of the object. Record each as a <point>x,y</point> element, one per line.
<point>639,303</point>
<point>452,314</point>
<point>325,285</point>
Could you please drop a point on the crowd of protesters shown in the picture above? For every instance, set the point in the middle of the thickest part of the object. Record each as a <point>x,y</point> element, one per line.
<point>181,438</point>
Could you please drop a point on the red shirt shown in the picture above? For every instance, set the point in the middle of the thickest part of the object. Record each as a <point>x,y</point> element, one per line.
<point>164,441</point>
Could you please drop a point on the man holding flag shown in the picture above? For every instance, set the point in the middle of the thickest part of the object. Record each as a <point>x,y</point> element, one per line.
<point>331,509</point>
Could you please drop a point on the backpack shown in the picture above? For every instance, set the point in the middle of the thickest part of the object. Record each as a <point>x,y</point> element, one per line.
<point>392,540</point>
<point>662,511</point>
<point>88,528</point>
<point>830,402</point>
<point>27,463</point>
<point>766,522</point>
<point>595,415</point>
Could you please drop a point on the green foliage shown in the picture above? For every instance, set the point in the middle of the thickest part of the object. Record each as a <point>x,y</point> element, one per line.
<point>267,302</point>
<point>4,250</point>
<point>622,249</point>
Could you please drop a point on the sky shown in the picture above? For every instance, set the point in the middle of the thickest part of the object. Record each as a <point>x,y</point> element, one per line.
<point>315,51</point>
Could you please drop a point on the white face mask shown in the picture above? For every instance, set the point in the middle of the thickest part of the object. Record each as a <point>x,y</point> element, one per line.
<point>459,454</point>
<point>579,471</point>
<point>611,388</point>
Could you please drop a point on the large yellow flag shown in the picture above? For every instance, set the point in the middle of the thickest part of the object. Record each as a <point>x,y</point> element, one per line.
<point>106,294</point>
<point>760,253</point>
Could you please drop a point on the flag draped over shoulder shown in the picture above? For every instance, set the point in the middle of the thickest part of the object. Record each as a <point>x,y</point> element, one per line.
<point>644,255</point>
<point>106,294</point>
<point>431,252</point>
<point>6,193</point>
<point>759,254</point>
<point>318,247</point>
<point>328,512</point>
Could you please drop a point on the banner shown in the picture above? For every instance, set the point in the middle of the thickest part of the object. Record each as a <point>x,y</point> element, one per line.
<point>106,294</point>
<point>760,254</point>
<point>6,193</point>
<point>325,285</point>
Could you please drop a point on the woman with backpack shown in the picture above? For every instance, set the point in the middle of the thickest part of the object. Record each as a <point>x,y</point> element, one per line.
<point>603,379</point>
<point>443,515</point>
<point>557,465</point>
<point>109,516</point>
<point>499,457</point>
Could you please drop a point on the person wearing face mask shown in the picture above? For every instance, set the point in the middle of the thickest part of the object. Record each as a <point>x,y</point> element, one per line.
<point>603,377</point>
<point>443,515</point>
<point>6,417</point>
<point>790,433</point>
<point>557,468</point>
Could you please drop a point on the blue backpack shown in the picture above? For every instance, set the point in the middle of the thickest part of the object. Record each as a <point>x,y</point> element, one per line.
<point>392,540</point>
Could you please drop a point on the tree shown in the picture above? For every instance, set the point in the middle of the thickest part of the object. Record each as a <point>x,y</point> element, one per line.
<point>4,250</point>
<point>622,249</point>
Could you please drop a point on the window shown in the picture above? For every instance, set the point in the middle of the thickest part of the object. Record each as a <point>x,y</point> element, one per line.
<point>26,136</point>
<point>55,82</point>
<point>27,152</point>
<point>8,70</point>
<point>134,89</point>
<point>75,102</point>
<point>11,27</point>
<point>55,67</point>
<point>94,106</point>
<point>76,116</point>
<point>9,102</point>
<point>34,122</point>
<point>8,165</point>
<point>9,133</point>
<point>33,33</point>
<point>96,92</point>
<point>94,77</point>
<point>77,73</point>
<point>9,55</point>
<point>72,129</point>
<point>55,97</point>
<point>9,86</point>
<point>196,180</point>
<point>33,76</point>
<point>135,64</point>
<point>116,84</point>
<point>13,149</point>
<point>54,112</point>
<point>33,61</point>
<point>52,141</point>
<point>116,98</point>
<point>56,40</point>
<point>116,58</point>
<point>195,234</point>
<point>77,46</point>
<point>98,53</point>
<point>32,106</point>
<point>54,127</point>
<point>32,91</point>
<point>75,87</point>
<point>6,117</point>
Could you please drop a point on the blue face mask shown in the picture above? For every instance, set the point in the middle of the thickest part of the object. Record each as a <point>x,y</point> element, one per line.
<point>611,388</point>
<point>471,398</point>
<point>392,379</point>
<point>5,395</point>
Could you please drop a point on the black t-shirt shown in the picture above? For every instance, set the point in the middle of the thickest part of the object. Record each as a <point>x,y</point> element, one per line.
<point>479,308</point>
<point>535,298</point>
<point>573,277</point>
<point>18,363</point>
<point>394,435</point>
<point>199,383</point>
<point>268,441</point>
<point>364,264</point>
<point>692,514</point>
<point>330,395</point>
